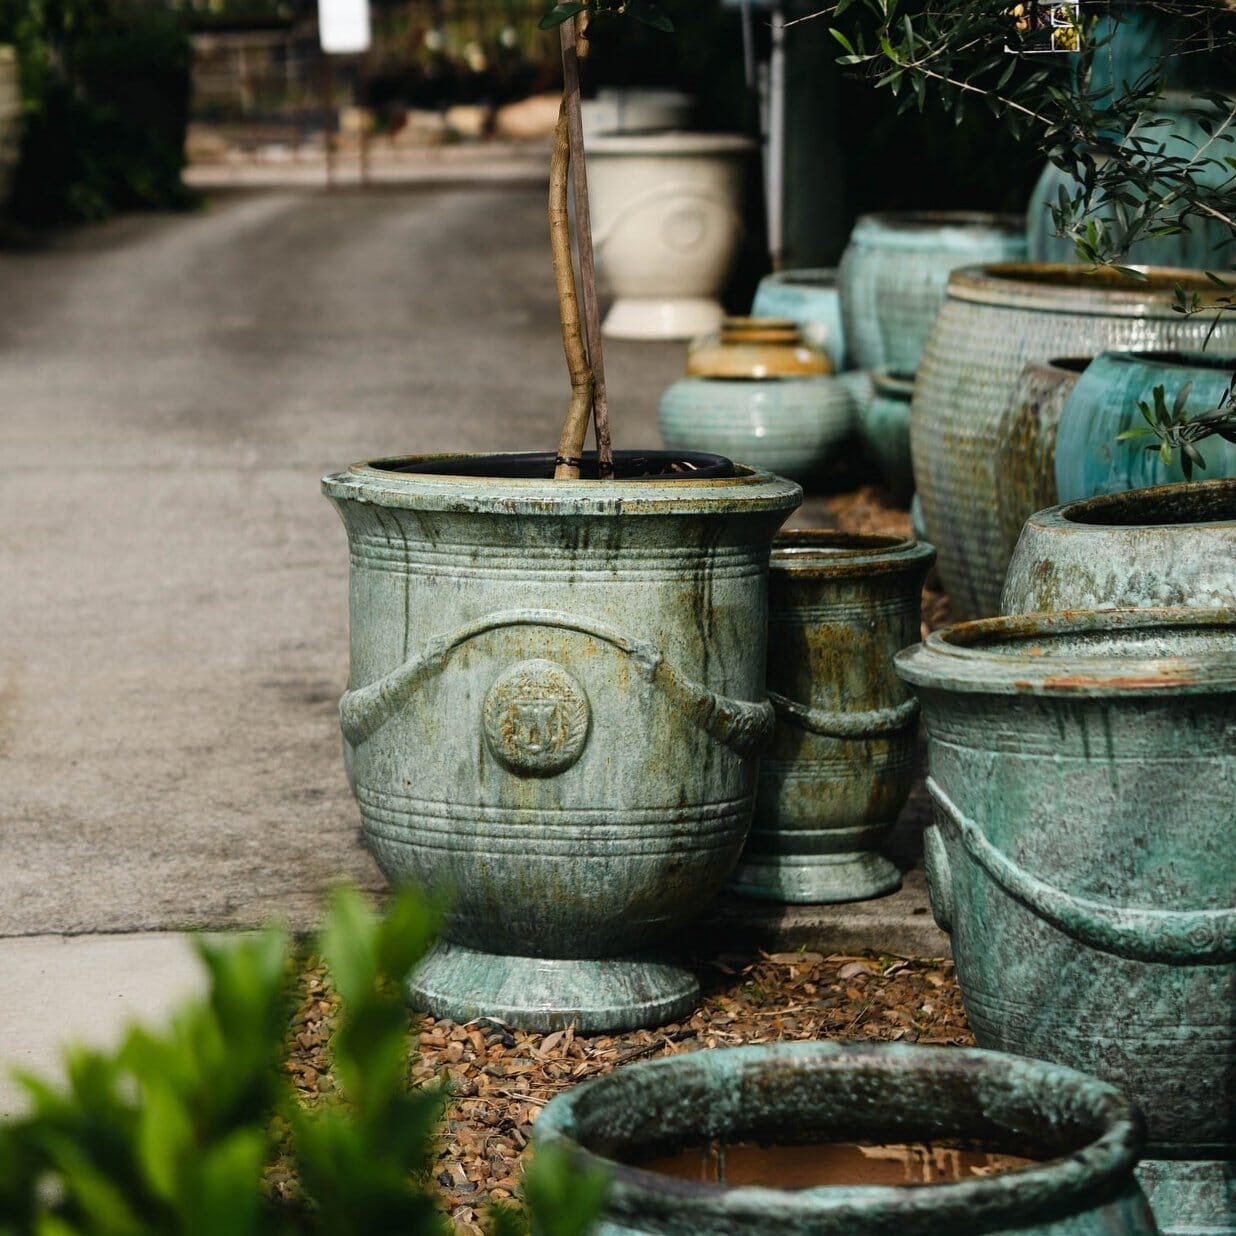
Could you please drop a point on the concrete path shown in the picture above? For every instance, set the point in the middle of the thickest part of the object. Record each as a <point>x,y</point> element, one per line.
<point>173,620</point>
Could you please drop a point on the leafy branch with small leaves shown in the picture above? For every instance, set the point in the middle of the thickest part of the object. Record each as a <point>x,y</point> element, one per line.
<point>1175,429</point>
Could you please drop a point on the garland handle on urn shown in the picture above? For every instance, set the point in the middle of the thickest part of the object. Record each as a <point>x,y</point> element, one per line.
<point>1172,937</point>
<point>871,724</point>
<point>741,725</point>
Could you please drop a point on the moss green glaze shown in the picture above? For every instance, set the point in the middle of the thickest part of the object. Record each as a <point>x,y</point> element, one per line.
<point>1104,403</point>
<point>787,425</point>
<point>810,298</point>
<point>841,760</point>
<point>996,320</point>
<point>1169,545</point>
<point>894,272</point>
<point>555,702</point>
<point>884,422</point>
<point>1083,767</point>
<point>1087,1134</point>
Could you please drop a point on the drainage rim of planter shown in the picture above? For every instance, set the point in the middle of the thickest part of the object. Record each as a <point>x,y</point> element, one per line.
<point>1090,1134</point>
<point>1205,504</point>
<point>1047,654</point>
<point>822,552</point>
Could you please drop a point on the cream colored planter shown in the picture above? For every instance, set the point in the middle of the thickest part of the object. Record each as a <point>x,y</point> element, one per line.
<point>636,109</point>
<point>667,225</point>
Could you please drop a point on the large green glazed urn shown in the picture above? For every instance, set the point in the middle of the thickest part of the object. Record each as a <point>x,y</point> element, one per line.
<point>841,761</point>
<point>555,702</point>
<point>996,320</point>
<point>894,272</point>
<point>1084,1135</point>
<point>1169,545</point>
<point>1083,767</point>
<point>1104,403</point>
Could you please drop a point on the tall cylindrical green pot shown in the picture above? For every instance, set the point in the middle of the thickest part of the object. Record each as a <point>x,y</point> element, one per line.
<point>555,702</point>
<point>1105,402</point>
<point>894,272</point>
<point>841,761</point>
<point>996,320</point>
<point>1169,545</point>
<point>1084,1135</point>
<point>884,424</point>
<point>1083,767</point>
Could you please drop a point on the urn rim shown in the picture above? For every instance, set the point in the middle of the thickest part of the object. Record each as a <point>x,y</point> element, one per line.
<point>1198,506</point>
<point>820,553</point>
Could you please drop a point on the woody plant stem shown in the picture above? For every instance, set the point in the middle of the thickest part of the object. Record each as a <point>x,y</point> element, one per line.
<point>580,342</point>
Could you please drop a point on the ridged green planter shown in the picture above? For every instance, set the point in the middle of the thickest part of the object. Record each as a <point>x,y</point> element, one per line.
<point>1104,403</point>
<point>811,298</point>
<point>1083,767</point>
<point>789,426</point>
<point>884,424</point>
<point>894,272</point>
<point>1087,1134</point>
<point>555,703</point>
<point>841,760</point>
<point>1171,545</point>
<point>996,320</point>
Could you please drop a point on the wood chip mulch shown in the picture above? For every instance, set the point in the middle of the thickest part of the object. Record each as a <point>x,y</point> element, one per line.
<point>500,1078</point>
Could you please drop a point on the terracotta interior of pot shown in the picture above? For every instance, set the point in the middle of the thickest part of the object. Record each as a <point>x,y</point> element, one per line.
<point>1163,506</point>
<point>634,1116</point>
<point>911,221</point>
<point>1071,364</point>
<point>803,544</point>
<point>1033,641</point>
<point>628,466</point>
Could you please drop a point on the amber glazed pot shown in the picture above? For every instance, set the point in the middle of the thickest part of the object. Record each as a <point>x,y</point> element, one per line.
<point>841,760</point>
<point>995,321</point>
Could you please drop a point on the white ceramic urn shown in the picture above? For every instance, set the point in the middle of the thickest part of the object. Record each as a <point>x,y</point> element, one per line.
<point>667,222</point>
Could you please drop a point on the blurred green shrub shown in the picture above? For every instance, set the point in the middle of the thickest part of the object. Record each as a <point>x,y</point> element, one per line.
<point>106,95</point>
<point>171,1134</point>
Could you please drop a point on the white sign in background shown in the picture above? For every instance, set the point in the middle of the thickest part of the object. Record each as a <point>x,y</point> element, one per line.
<point>343,26</point>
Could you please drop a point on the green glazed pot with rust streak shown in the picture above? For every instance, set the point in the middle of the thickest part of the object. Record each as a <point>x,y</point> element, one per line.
<point>554,707</point>
<point>841,760</point>
<point>1083,767</point>
<point>1084,1135</point>
<point>1168,545</point>
<point>995,321</point>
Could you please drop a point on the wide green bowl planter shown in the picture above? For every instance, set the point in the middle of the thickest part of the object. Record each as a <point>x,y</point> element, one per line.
<point>1169,545</point>
<point>812,299</point>
<point>884,425</point>
<point>555,702</point>
<point>997,320</point>
<point>841,761</point>
<point>1083,767</point>
<point>894,272</point>
<point>1083,1136</point>
<point>1104,403</point>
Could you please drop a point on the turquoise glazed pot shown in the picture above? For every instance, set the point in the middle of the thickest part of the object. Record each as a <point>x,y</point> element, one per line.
<point>1086,1134</point>
<point>997,320</point>
<point>810,298</point>
<point>1083,767</point>
<point>555,701</point>
<point>841,760</point>
<point>894,272</point>
<point>787,425</point>
<point>1181,134</point>
<point>1103,404</point>
<point>884,423</point>
<point>1171,545</point>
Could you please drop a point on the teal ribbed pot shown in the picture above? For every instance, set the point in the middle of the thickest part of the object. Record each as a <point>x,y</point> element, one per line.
<point>789,426</point>
<point>840,764</point>
<point>1083,767</point>
<point>894,272</point>
<point>810,298</point>
<point>1104,403</point>
<point>555,702</point>
<point>1085,1135</point>
<point>884,423</point>
<point>1171,545</point>
<point>997,320</point>
<point>1183,126</point>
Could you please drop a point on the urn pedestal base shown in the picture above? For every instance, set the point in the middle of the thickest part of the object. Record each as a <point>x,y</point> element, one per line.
<point>657,317</point>
<point>815,879</point>
<point>597,996</point>
<point>1191,1197</point>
